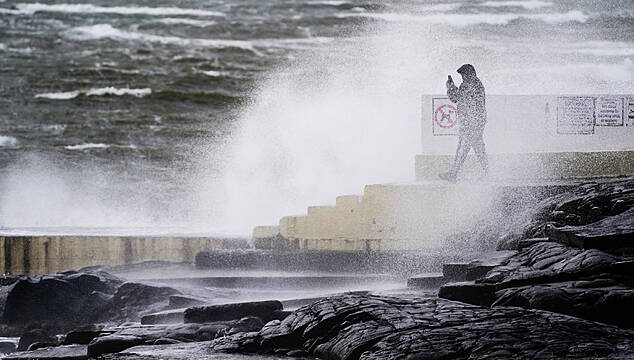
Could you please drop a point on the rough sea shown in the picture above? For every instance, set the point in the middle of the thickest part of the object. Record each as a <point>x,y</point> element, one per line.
<point>221,115</point>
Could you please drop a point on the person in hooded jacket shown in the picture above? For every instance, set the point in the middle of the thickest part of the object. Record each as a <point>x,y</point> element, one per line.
<point>470,99</point>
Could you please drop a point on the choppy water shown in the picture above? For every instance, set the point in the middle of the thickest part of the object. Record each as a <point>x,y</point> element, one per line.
<point>110,109</point>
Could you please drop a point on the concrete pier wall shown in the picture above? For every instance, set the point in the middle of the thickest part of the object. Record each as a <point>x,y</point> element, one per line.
<point>49,254</point>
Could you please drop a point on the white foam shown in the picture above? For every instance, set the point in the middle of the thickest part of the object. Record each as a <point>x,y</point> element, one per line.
<point>89,146</point>
<point>461,20</point>
<point>8,141</point>
<point>212,73</point>
<point>101,31</point>
<point>67,95</point>
<point>110,90</point>
<point>30,9</point>
<point>442,7</point>
<point>526,4</point>
<point>119,92</point>
<point>329,2</point>
<point>186,21</point>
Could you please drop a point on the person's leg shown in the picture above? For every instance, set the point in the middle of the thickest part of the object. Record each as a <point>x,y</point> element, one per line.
<point>480,150</point>
<point>464,145</point>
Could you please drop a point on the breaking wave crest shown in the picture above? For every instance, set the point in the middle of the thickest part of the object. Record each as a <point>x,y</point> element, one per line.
<point>101,31</point>
<point>8,141</point>
<point>30,9</point>
<point>91,146</point>
<point>67,95</point>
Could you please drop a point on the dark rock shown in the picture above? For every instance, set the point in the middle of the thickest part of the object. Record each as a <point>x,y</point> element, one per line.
<point>166,341</point>
<point>247,324</point>
<point>7,347</point>
<point>132,300</point>
<point>180,301</point>
<point>35,335</point>
<point>112,344</point>
<point>164,317</point>
<point>66,299</point>
<point>66,352</point>
<point>85,334</point>
<point>40,345</point>
<point>599,299</point>
<point>612,233</point>
<point>468,292</point>
<point>380,327</point>
<point>426,281</point>
<point>261,309</point>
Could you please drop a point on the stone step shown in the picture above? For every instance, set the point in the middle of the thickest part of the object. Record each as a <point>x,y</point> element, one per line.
<point>426,281</point>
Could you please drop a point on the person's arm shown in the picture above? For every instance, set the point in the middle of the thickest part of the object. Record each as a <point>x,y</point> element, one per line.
<point>453,92</point>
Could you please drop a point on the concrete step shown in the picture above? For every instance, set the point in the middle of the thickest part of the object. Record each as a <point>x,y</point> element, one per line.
<point>426,281</point>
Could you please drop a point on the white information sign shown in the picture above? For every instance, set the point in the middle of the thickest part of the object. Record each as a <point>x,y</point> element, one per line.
<point>444,117</point>
<point>575,115</point>
<point>628,111</point>
<point>608,111</point>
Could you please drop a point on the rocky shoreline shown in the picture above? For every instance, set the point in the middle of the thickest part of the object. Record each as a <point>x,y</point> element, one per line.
<point>563,289</point>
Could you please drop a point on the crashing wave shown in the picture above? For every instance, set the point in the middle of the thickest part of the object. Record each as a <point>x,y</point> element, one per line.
<point>526,4</point>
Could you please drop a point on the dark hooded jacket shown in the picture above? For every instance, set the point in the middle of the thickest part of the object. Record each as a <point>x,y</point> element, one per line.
<point>471,102</point>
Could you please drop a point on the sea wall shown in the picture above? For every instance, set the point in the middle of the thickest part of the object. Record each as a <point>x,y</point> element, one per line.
<point>40,254</point>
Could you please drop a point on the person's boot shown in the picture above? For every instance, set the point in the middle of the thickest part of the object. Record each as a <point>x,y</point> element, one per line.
<point>448,176</point>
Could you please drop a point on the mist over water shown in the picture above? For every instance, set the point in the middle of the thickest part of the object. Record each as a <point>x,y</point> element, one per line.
<point>221,130</point>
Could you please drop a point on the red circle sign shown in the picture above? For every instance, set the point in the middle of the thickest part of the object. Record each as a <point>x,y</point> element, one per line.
<point>445,116</point>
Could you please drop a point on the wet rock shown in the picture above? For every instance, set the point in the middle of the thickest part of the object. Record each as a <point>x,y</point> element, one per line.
<point>36,335</point>
<point>582,205</point>
<point>164,317</point>
<point>67,298</point>
<point>84,335</point>
<point>262,309</point>
<point>180,301</point>
<point>66,352</point>
<point>133,300</point>
<point>112,344</point>
<point>381,327</point>
<point>612,233</point>
<point>7,347</point>
<point>129,336</point>
<point>469,292</point>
